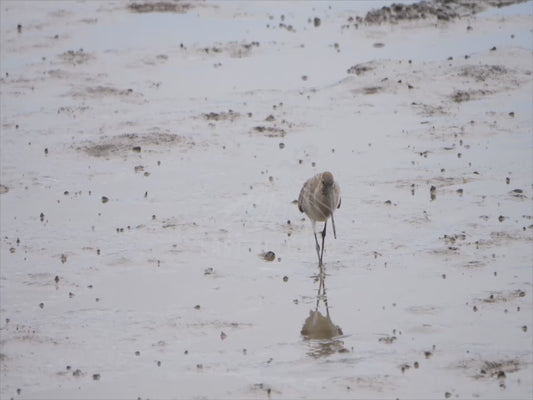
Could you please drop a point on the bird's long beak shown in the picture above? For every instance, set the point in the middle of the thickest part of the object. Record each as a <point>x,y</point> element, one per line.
<point>332,208</point>
<point>333,223</point>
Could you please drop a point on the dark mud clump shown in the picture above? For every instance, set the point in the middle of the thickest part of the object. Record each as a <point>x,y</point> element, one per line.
<point>445,10</point>
<point>160,7</point>
<point>360,69</point>
<point>234,49</point>
<point>230,115</point>
<point>269,131</point>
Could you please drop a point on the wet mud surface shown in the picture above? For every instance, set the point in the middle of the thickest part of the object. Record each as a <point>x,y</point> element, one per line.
<point>151,245</point>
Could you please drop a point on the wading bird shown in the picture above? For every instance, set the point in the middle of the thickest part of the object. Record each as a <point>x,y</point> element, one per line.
<point>319,198</point>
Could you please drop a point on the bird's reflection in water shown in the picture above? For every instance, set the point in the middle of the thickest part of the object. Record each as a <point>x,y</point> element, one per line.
<point>320,330</point>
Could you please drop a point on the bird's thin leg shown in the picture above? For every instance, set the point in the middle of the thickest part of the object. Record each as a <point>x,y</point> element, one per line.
<point>322,249</point>
<point>317,250</point>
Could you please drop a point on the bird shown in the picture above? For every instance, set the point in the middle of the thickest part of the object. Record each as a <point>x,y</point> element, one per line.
<point>319,197</point>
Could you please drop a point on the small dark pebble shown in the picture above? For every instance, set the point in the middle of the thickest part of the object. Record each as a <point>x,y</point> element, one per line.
<point>136,149</point>
<point>524,328</point>
<point>105,199</point>
<point>96,377</point>
<point>316,21</point>
<point>285,278</point>
<point>269,256</point>
<point>41,305</point>
<point>433,192</point>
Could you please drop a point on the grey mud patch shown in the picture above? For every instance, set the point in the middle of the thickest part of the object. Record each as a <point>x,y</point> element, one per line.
<point>160,7</point>
<point>442,10</point>
<point>483,369</point>
<point>133,142</point>
<point>106,91</point>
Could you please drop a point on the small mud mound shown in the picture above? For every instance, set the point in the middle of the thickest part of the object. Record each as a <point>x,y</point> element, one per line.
<point>460,96</point>
<point>75,57</point>
<point>126,143</point>
<point>221,116</point>
<point>234,49</point>
<point>362,68</point>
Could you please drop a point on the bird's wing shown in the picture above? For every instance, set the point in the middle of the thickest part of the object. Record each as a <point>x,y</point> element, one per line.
<point>301,197</point>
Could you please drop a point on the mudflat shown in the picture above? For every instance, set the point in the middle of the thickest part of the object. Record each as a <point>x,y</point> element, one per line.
<point>151,154</point>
